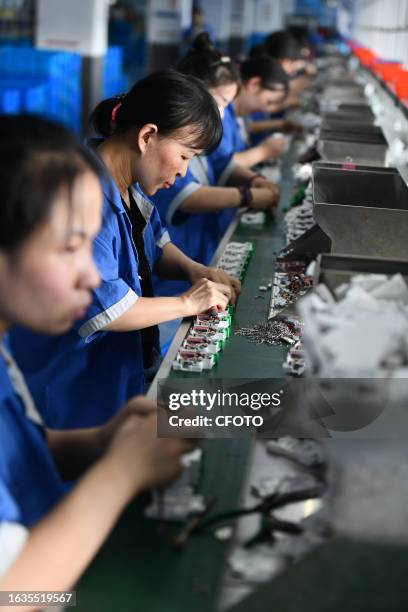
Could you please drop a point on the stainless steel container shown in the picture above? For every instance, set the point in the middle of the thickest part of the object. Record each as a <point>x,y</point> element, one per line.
<point>363,209</point>
<point>334,270</point>
<point>351,111</point>
<point>359,147</point>
<point>349,124</point>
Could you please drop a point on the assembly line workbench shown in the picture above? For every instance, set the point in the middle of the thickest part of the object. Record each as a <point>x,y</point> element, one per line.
<point>137,569</point>
<point>363,567</point>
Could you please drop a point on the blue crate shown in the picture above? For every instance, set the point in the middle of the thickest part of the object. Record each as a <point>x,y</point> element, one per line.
<point>10,101</point>
<point>48,82</point>
<point>114,79</point>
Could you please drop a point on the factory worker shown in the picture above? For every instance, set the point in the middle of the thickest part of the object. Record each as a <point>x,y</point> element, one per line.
<point>148,138</point>
<point>284,48</point>
<point>264,83</point>
<point>200,205</point>
<point>50,212</point>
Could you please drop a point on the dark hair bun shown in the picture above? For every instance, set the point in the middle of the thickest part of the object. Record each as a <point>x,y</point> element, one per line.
<point>202,43</point>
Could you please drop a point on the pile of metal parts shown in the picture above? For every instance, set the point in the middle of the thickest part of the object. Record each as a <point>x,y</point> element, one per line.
<point>290,282</point>
<point>360,329</point>
<point>273,333</point>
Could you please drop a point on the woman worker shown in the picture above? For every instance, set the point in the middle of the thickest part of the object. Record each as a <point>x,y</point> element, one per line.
<point>149,136</point>
<point>264,83</point>
<point>200,205</point>
<point>50,212</point>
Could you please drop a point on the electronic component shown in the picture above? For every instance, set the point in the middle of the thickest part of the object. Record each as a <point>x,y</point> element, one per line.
<point>300,216</point>
<point>202,345</point>
<point>235,258</point>
<point>253,218</point>
<point>295,360</point>
<point>209,331</point>
<point>194,361</point>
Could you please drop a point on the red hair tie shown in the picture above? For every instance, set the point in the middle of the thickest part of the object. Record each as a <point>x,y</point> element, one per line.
<point>115,111</point>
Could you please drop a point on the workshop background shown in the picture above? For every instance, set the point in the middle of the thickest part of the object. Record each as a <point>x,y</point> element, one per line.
<point>316,519</point>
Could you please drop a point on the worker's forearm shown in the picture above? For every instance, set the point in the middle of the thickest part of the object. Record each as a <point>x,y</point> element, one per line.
<point>251,157</point>
<point>146,312</point>
<point>211,199</point>
<point>240,175</point>
<point>256,127</point>
<point>63,543</point>
<point>175,265</point>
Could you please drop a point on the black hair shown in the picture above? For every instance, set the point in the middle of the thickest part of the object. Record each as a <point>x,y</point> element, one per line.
<point>257,50</point>
<point>38,158</point>
<point>269,70</point>
<point>168,99</point>
<point>301,34</point>
<point>208,64</point>
<point>282,45</point>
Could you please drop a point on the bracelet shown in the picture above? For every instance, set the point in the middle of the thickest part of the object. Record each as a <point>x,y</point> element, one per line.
<point>246,195</point>
<point>255,176</point>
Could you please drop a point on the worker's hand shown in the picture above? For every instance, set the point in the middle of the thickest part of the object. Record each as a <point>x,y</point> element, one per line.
<point>273,147</point>
<point>292,100</point>
<point>261,181</point>
<point>139,456</point>
<point>264,199</point>
<point>289,127</point>
<point>310,68</point>
<point>206,295</point>
<point>218,276</point>
<point>300,83</point>
<point>137,406</point>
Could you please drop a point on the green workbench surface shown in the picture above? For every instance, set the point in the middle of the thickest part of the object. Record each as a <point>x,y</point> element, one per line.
<point>136,568</point>
<point>240,358</point>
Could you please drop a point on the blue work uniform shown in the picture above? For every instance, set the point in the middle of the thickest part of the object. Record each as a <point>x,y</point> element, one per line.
<point>259,116</point>
<point>233,141</point>
<point>196,234</point>
<point>30,484</point>
<point>82,378</point>
<point>255,139</point>
<point>233,135</point>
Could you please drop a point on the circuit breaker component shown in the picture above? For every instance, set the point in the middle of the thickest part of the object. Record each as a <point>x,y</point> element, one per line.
<point>210,329</point>
<point>235,258</point>
<point>194,361</point>
<point>202,344</point>
<point>214,320</point>
<point>253,218</point>
<point>290,282</point>
<point>295,363</point>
